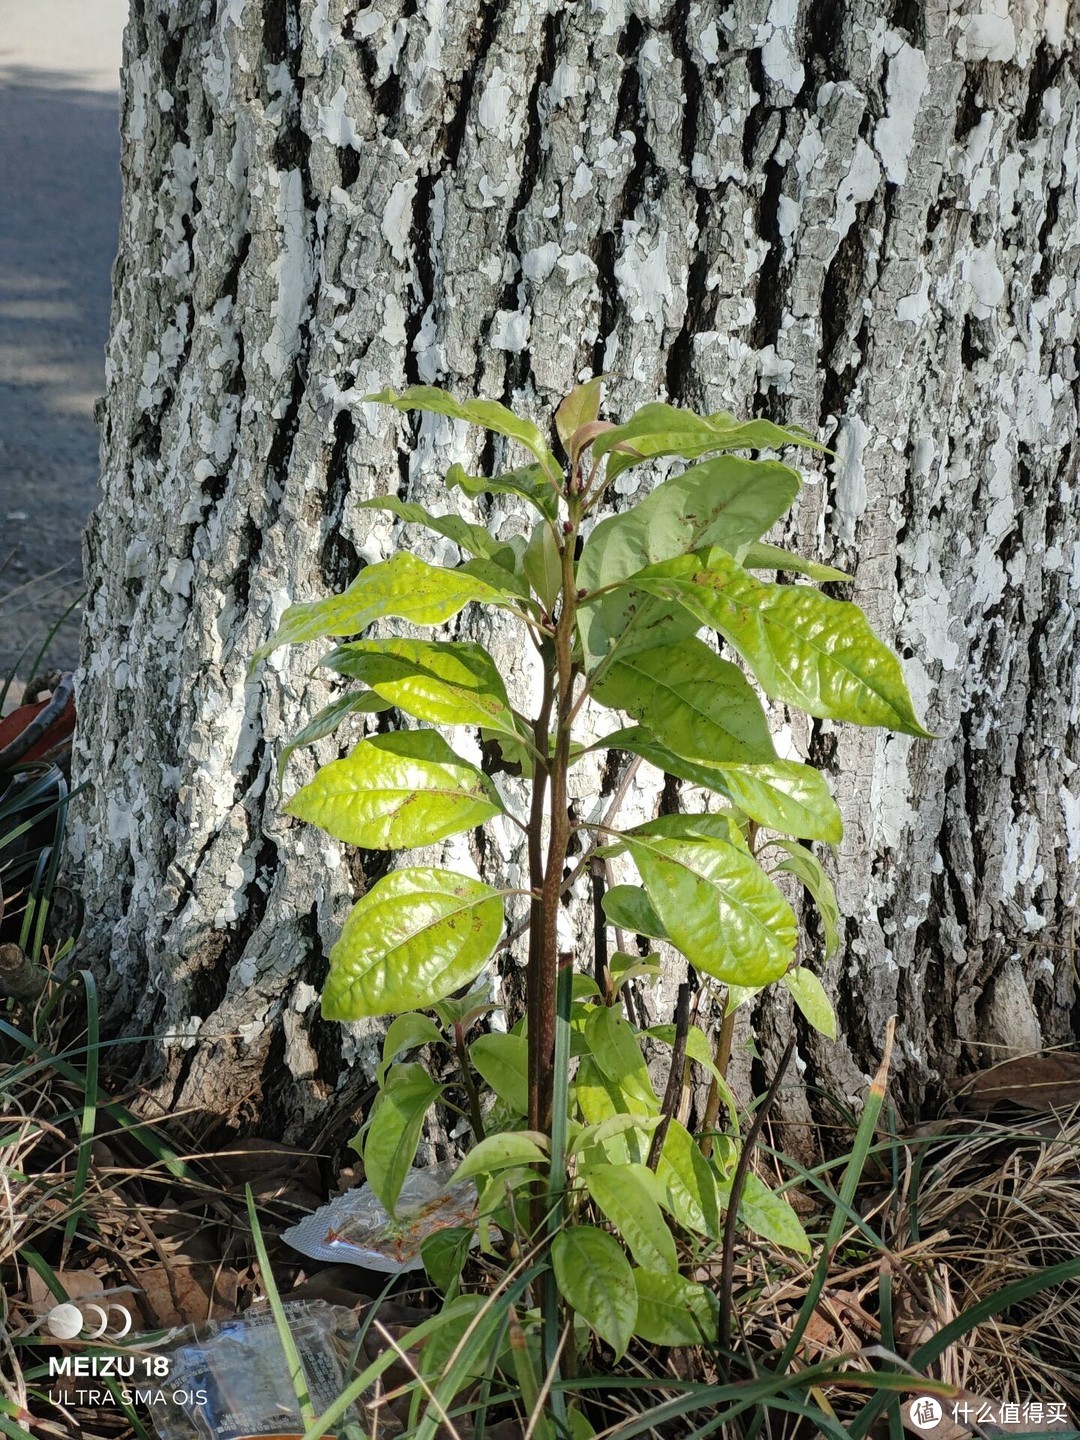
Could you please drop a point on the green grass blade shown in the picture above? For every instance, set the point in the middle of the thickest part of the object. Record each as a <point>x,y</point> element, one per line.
<point>89,1111</point>
<point>297,1377</point>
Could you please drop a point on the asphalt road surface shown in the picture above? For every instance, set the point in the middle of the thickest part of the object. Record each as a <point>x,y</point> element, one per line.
<point>59,211</point>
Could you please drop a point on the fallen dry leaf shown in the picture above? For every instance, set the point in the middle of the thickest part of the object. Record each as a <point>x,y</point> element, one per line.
<point>1033,1082</point>
<point>188,1294</point>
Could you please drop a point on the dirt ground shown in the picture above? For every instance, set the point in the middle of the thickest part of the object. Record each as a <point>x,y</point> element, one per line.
<point>59,208</point>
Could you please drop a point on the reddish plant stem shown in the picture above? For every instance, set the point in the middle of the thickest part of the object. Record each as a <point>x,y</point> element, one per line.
<point>542,1016</point>
<point>536,881</point>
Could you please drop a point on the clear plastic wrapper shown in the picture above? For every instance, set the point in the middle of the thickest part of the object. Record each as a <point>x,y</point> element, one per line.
<point>230,1380</point>
<point>356,1228</point>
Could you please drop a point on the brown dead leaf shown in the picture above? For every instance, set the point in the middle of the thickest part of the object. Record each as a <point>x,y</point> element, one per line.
<point>188,1294</point>
<point>1032,1082</point>
<point>79,1284</point>
<point>266,1165</point>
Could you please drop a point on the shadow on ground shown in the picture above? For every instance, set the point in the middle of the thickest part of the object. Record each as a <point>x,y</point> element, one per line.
<point>59,213</point>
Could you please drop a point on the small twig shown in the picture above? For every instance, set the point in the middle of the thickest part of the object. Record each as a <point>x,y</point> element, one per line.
<point>601,974</point>
<point>476,1118</point>
<point>722,1059</point>
<point>738,1183</point>
<point>675,1075</point>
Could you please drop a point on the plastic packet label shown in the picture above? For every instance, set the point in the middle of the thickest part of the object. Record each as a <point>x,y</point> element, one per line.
<point>231,1378</point>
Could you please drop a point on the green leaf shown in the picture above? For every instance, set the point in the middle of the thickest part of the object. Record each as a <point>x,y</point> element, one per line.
<point>626,1196</point>
<point>500,1152</point>
<point>488,413</point>
<point>444,1254</point>
<point>529,484</point>
<point>543,564</point>
<point>722,502</point>
<point>416,936</point>
<point>718,906</point>
<point>394,1131</point>
<point>727,502</point>
<point>809,994</point>
<point>805,864</point>
<point>595,1279</point>
<point>772,557</point>
<point>673,1311</point>
<point>805,649</point>
<point>328,719</point>
<point>403,586</point>
<point>628,907</point>
<point>406,1032</point>
<point>395,791</point>
<point>689,1182</point>
<point>580,407</point>
<point>766,1213</point>
<point>596,1138</point>
<point>503,1062</point>
<point>697,705</point>
<point>616,1050</point>
<point>474,539</point>
<point>625,968</point>
<point>465,1009</point>
<point>659,429</point>
<point>446,682</point>
<point>783,795</point>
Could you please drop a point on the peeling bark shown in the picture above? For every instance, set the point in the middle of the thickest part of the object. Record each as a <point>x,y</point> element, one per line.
<point>863,224</point>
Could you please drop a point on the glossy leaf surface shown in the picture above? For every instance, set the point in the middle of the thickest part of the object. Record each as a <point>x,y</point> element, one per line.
<point>694,703</point>
<point>416,936</point>
<point>805,649</point>
<point>403,586</point>
<point>394,791</point>
<point>445,682</point>
<point>717,905</point>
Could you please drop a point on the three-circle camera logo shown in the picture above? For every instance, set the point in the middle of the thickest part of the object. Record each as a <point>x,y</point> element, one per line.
<point>69,1322</point>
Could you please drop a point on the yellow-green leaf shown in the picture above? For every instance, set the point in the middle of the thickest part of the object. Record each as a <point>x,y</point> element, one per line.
<point>595,1277</point>
<point>626,1196</point>
<point>366,702</point>
<point>659,429</point>
<point>674,1311</point>
<point>695,704</point>
<point>766,1213</point>
<point>398,790</point>
<point>489,413</point>
<point>717,905</point>
<point>414,938</point>
<point>445,682</point>
<point>403,586</point>
<point>804,648</point>
<point>689,1182</point>
<point>500,1152</point>
<point>503,1062</point>
<point>809,994</point>
<point>615,1048</point>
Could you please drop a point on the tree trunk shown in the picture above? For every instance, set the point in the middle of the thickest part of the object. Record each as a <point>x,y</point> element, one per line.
<point>866,226</point>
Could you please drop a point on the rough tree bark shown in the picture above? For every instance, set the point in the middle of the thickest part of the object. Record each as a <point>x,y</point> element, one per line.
<point>860,221</point>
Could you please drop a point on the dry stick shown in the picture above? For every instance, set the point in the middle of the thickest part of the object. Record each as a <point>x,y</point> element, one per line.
<point>727,1268</point>
<point>722,1060</point>
<point>601,974</point>
<point>40,724</point>
<point>675,1075</point>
